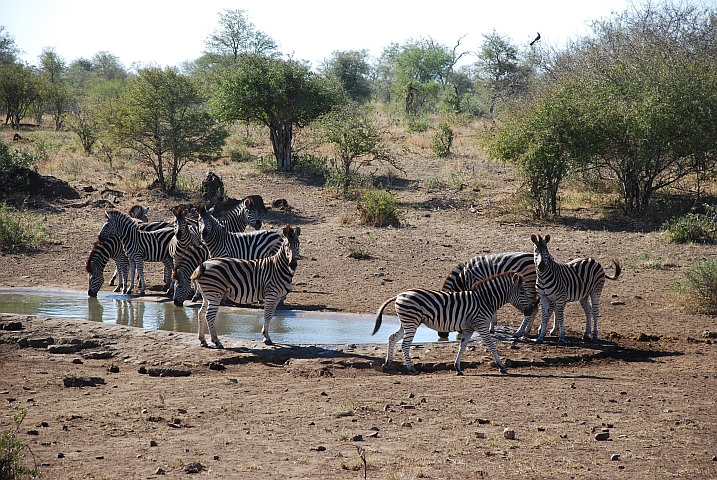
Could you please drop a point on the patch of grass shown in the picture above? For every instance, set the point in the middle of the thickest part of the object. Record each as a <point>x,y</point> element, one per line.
<point>646,260</point>
<point>378,208</point>
<point>693,227</point>
<point>698,287</point>
<point>265,164</point>
<point>12,452</point>
<point>18,232</point>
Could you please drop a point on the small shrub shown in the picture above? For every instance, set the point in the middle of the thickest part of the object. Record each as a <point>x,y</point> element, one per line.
<point>442,140</point>
<point>378,208</point>
<point>699,287</point>
<point>265,164</point>
<point>239,153</point>
<point>310,164</point>
<point>12,452</point>
<point>18,234</point>
<point>15,169</point>
<point>417,124</point>
<point>693,227</point>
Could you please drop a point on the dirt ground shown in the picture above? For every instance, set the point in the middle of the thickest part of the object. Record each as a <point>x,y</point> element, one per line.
<point>252,411</point>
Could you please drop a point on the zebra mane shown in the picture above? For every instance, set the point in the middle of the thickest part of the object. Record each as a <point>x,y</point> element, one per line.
<point>93,253</point>
<point>456,271</point>
<point>496,276</point>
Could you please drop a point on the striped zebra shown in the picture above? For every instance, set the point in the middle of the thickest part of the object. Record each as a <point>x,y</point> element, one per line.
<point>465,275</point>
<point>184,266</point>
<point>246,281</point>
<point>139,212</point>
<point>102,251</point>
<point>140,246</point>
<point>238,217</point>
<point>247,245</point>
<point>581,279</point>
<point>465,311</point>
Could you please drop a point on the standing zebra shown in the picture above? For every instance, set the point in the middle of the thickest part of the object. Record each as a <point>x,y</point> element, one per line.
<point>464,276</point>
<point>102,251</point>
<point>140,246</point>
<point>465,311</point>
<point>222,243</point>
<point>237,218</point>
<point>581,279</point>
<point>184,266</point>
<point>245,281</point>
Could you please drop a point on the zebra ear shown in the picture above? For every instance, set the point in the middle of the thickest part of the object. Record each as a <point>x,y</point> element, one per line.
<point>534,238</point>
<point>249,203</point>
<point>107,214</point>
<point>297,231</point>
<point>287,231</point>
<point>145,211</point>
<point>547,237</point>
<point>202,208</point>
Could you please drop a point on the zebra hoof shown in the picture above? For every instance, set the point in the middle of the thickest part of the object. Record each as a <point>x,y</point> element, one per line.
<point>594,339</point>
<point>415,372</point>
<point>539,340</point>
<point>268,342</point>
<point>218,345</point>
<point>459,373</point>
<point>561,342</point>
<point>504,371</point>
<point>204,343</point>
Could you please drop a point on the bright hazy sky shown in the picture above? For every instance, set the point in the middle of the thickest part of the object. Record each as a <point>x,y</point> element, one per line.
<point>165,32</point>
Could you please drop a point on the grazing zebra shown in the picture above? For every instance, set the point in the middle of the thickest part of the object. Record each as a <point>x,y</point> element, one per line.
<point>580,280</point>
<point>248,245</point>
<point>464,276</point>
<point>140,246</point>
<point>102,251</point>
<point>245,281</point>
<point>184,266</point>
<point>465,311</point>
<point>242,214</point>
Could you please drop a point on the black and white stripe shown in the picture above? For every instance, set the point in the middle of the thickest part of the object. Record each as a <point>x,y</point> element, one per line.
<point>247,281</point>
<point>465,311</point>
<point>581,279</point>
<point>184,266</point>
<point>480,267</point>
<point>140,246</point>
<point>102,251</point>
<point>239,217</point>
<point>247,245</point>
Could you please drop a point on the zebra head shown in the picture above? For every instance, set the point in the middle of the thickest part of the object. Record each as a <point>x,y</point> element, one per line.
<point>291,245</point>
<point>541,254</point>
<point>182,227</point>
<point>95,271</point>
<point>252,216</point>
<point>518,296</point>
<point>139,212</point>
<point>207,223</point>
<point>181,275</point>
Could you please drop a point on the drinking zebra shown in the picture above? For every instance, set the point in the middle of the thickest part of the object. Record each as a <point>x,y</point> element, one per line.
<point>465,311</point>
<point>101,253</point>
<point>238,217</point>
<point>247,245</point>
<point>184,266</point>
<point>245,281</point>
<point>140,246</point>
<point>581,279</point>
<point>464,276</point>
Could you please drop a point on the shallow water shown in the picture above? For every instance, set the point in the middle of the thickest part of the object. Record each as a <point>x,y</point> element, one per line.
<point>288,326</point>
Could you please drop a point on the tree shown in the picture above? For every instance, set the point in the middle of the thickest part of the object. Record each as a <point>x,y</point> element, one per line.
<point>356,140</point>
<point>160,117</point>
<point>8,49</point>
<point>56,93</point>
<point>19,89</point>
<point>502,68</point>
<point>279,94</point>
<point>237,35</point>
<point>352,70</point>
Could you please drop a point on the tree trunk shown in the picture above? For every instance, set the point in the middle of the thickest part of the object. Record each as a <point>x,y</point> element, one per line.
<point>281,136</point>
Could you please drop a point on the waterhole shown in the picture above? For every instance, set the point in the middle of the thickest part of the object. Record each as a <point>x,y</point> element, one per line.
<point>156,313</point>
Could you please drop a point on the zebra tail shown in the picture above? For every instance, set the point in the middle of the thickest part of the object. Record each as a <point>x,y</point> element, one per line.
<point>198,272</point>
<point>618,269</point>
<point>379,315</point>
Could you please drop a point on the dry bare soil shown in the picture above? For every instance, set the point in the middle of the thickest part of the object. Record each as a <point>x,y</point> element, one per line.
<point>252,411</point>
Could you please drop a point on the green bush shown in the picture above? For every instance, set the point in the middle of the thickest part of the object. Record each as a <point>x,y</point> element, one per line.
<point>15,169</point>
<point>12,452</point>
<point>693,227</point>
<point>442,140</point>
<point>18,234</point>
<point>699,287</point>
<point>378,208</point>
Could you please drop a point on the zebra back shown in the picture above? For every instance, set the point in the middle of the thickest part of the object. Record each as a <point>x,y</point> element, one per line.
<point>247,245</point>
<point>480,267</point>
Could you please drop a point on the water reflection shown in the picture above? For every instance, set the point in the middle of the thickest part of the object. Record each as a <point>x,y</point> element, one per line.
<point>289,327</point>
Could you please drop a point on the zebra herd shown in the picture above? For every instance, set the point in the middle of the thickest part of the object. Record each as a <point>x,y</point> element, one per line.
<point>214,258</point>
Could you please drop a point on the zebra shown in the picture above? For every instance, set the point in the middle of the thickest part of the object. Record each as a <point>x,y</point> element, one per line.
<point>581,279</point>
<point>184,266</point>
<point>237,218</point>
<point>244,281</point>
<point>139,212</point>
<point>248,245</point>
<point>465,311</point>
<point>102,251</point>
<point>140,246</point>
<point>465,275</point>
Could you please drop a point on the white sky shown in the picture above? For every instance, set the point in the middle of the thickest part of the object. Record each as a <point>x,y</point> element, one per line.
<point>168,32</point>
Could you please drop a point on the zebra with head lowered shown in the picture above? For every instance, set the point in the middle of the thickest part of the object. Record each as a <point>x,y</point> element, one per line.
<point>247,245</point>
<point>466,311</point>
<point>140,246</point>
<point>465,275</point>
<point>245,281</point>
<point>581,279</point>
<point>238,217</point>
<point>102,251</point>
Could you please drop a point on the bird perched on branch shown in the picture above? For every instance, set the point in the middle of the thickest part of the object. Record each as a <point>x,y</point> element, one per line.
<point>536,39</point>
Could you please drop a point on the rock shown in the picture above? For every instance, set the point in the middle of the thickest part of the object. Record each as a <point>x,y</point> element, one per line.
<point>67,348</point>
<point>615,457</point>
<point>509,434</point>
<point>602,436</point>
<point>153,443</point>
<point>72,381</point>
<point>77,361</point>
<point>11,326</point>
<point>216,366</point>
<point>320,448</point>
<point>357,438</point>
<point>98,355</point>
<point>159,471</point>
<point>168,372</point>
<point>113,369</point>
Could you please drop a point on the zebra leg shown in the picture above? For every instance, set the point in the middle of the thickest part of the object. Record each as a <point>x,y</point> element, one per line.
<point>197,292</point>
<point>140,274</point>
<point>546,308</point>
<point>466,335</point>
<point>596,314</point>
<point>270,302</point>
<point>488,340</point>
<point>493,322</point>
<point>408,335</point>
<point>208,311</point>
<point>168,283</point>
<point>560,320</point>
<point>526,325</point>
<point>112,278</point>
<point>392,339</point>
<point>587,308</point>
<point>132,269</point>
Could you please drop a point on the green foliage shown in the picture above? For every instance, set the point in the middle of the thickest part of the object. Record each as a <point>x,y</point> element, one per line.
<point>12,452</point>
<point>237,35</point>
<point>19,90</point>
<point>442,140</point>
<point>699,287</point>
<point>352,69</point>
<point>693,227</point>
<point>19,233</point>
<point>15,169</point>
<point>378,208</point>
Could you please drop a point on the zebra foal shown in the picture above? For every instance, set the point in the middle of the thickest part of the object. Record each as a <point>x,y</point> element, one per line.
<point>581,279</point>
<point>247,281</point>
<point>465,311</point>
